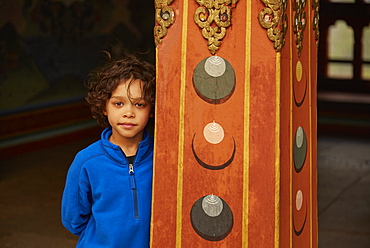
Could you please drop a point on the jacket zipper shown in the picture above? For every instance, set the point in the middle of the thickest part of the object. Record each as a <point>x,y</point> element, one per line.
<point>133,189</point>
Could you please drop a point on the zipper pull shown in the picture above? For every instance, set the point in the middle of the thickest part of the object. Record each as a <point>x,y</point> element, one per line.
<point>133,188</point>
<point>131,169</point>
<point>132,178</point>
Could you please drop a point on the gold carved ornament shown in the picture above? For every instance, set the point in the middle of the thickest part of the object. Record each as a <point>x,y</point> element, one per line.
<point>164,17</point>
<point>214,17</point>
<point>299,24</point>
<point>270,18</point>
<point>316,20</point>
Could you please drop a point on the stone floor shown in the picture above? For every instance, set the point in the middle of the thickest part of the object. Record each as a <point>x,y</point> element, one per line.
<point>31,186</point>
<point>344,192</point>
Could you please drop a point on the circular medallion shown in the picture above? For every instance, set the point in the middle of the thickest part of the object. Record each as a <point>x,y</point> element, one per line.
<point>213,133</point>
<point>211,218</point>
<point>215,66</point>
<point>299,137</point>
<point>214,80</point>
<point>300,84</point>
<point>300,149</point>
<point>299,71</point>
<point>299,200</point>
<point>212,205</point>
<point>299,217</point>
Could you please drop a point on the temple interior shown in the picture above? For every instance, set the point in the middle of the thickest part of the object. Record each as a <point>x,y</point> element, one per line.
<point>44,119</point>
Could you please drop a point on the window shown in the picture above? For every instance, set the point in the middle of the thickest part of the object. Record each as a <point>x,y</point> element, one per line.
<point>340,50</point>
<point>344,48</point>
<point>366,52</point>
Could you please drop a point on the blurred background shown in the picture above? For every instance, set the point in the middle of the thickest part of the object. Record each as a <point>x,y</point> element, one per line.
<point>47,49</point>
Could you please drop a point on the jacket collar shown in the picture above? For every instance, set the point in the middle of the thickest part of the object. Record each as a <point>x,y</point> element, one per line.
<point>115,153</point>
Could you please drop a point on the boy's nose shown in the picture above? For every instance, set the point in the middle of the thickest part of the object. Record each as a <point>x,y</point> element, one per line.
<point>128,112</point>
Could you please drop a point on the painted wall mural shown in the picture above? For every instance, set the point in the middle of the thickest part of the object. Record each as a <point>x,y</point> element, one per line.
<point>235,132</point>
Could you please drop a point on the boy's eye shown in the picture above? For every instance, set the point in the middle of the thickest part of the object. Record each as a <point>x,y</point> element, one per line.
<point>140,105</point>
<point>118,104</point>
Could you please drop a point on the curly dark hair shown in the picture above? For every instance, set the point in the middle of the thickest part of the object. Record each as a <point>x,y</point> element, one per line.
<point>103,81</point>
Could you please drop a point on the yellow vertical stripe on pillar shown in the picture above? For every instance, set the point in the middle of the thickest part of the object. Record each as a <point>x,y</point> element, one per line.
<point>310,110</point>
<point>277,151</point>
<point>155,145</point>
<point>246,126</point>
<point>181,125</point>
<point>291,43</point>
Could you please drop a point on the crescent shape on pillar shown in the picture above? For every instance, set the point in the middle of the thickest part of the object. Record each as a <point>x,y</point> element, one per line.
<point>298,104</point>
<point>299,232</point>
<point>209,166</point>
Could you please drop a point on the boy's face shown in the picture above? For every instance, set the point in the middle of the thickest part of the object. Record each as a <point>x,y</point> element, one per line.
<point>128,113</point>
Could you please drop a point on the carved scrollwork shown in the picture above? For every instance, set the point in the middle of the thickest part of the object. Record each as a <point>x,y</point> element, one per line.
<point>299,24</point>
<point>214,17</point>
<point>164,17</point>
<point>316,20</point>
<point>270,18</point>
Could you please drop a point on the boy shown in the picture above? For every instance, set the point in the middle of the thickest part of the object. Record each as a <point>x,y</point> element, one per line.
<point>107,196</point>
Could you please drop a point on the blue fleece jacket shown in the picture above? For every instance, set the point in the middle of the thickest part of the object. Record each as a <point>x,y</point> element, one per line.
<point>106,203</point>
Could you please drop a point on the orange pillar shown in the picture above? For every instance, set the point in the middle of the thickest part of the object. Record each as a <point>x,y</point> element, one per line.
<point>235,131</point>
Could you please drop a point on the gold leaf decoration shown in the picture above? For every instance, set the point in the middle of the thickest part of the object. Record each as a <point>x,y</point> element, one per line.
<point>164,17</point>
<point>270,18</point>
<point>299,24</point>
<point>315,22</point>
<point>214,17</point>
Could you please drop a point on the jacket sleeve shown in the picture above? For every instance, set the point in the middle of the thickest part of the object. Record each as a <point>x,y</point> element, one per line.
<point>76,200</point>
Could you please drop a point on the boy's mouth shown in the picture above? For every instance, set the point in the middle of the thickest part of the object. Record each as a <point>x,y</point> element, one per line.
<point>127,125</point>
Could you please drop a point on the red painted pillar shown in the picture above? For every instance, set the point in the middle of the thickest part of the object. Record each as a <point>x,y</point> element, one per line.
<point>235,131</point>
